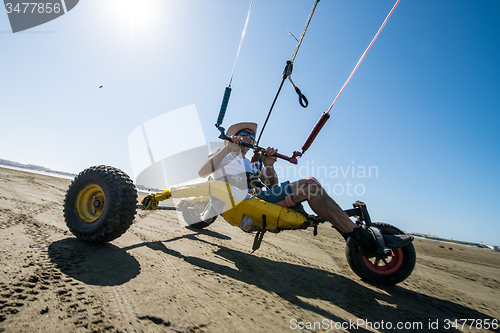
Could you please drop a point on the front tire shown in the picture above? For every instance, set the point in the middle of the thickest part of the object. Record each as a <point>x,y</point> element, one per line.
<point>387,270</point>
<point>100,204</point>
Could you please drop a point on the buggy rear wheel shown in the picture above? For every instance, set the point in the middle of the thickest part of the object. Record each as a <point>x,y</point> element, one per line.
<point>193,216</point>
<point>387,270</point>
<point>100,204</point>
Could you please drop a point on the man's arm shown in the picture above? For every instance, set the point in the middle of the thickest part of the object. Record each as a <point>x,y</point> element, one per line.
<point>212,163</point>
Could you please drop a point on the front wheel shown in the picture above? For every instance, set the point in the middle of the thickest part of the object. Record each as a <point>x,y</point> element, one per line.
<point>387,270</point>
<point>100,204</point>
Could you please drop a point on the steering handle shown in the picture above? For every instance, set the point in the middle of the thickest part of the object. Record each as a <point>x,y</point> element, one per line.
<point>292,159</point>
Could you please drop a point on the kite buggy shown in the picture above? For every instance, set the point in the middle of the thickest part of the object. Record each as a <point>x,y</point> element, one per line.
<point>101,202</point>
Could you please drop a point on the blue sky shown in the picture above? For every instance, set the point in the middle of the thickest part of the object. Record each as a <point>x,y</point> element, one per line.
<point>422,109</point>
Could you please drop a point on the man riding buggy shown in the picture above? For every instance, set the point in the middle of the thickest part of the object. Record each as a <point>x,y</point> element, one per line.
<point>101,204</point>
<point>229,164</point>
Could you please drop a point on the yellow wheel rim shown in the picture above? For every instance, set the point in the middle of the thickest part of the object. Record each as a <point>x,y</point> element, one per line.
<point>198,209</point>
<point>90,203</point>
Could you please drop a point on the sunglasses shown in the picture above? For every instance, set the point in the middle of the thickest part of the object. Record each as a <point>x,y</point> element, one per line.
<point>245,133</point>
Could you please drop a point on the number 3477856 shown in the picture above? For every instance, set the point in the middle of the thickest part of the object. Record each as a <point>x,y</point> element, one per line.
<point>33,7</point>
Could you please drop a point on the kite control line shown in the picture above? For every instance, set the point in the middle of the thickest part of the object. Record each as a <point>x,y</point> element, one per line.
<point>287,72</point>
<point>364,54</point>
<point>326,115</point>
<point>227,92</point>
<point>299,42</point>
<point>302,99</point>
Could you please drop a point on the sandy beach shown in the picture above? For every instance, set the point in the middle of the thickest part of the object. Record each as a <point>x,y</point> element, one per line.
<point>162,277</point>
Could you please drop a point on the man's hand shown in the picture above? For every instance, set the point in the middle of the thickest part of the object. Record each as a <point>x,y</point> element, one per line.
<point>268,158</point>
<point>269,175</point>
<point>235,146</point>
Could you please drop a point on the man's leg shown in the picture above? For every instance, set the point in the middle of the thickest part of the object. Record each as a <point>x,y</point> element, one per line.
<point>310,190</point>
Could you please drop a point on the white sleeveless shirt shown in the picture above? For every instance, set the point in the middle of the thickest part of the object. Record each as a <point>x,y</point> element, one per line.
<point>232,164</point>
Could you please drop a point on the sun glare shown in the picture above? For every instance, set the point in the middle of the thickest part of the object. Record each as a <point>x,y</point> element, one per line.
<point>132,16</point>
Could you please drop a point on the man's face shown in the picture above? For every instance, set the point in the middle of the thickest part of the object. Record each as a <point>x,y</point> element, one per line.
<point>247,135</point>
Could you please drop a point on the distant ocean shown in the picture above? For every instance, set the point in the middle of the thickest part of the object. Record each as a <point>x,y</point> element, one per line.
<point>46,173</point>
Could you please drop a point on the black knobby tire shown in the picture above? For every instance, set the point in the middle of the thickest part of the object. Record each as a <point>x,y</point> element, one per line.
<point>193,218</point>
<point>387,271</point>
<point>100,204</point>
